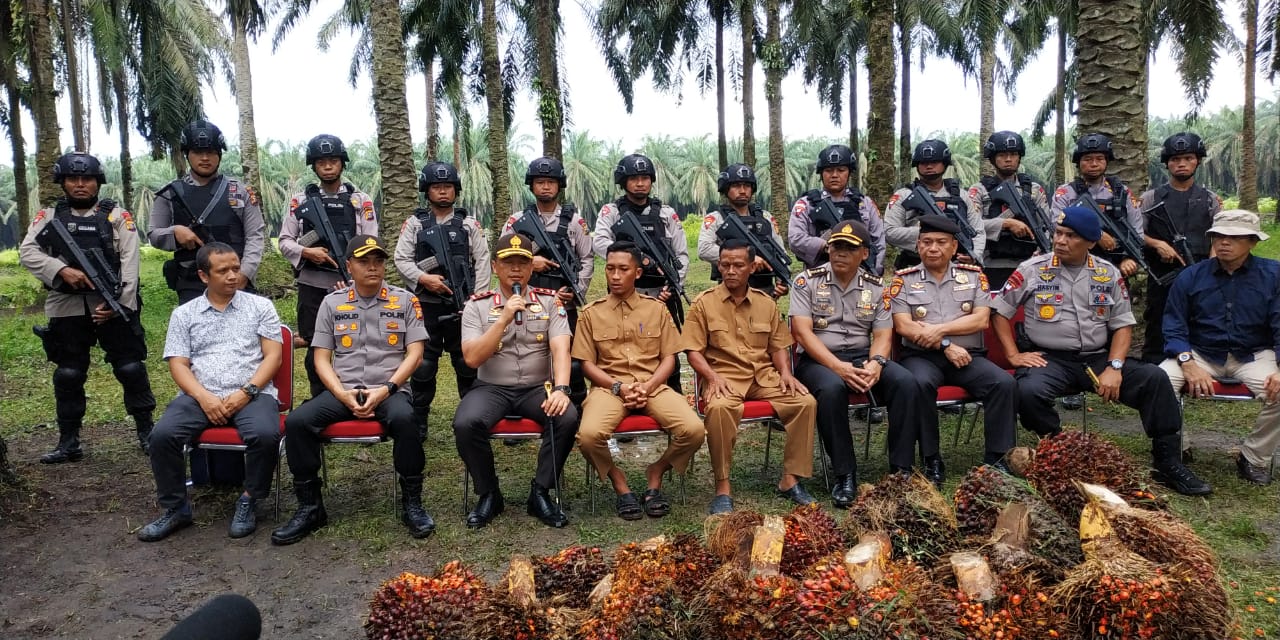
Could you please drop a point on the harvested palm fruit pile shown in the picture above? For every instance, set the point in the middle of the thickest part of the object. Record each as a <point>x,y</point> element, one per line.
<point>917,518</point>
<point>1074,456</point>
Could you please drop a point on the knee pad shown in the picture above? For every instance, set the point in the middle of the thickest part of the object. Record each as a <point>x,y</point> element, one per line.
<point>130,372</point>
<point>69,377</point>
<point>426,371</point>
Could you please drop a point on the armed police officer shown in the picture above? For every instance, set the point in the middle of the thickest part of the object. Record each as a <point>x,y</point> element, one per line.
<point>1011,236</point>
<point>737,183</point>
<point>943,196</point>
<point>941,310</point>
<point>1177,216</point>
<point>204,206</point>
<point>89,303</point>
<point>817,211</point>
<point>335,206</point>
<point>444,255</point>
<point>565,228</point>
<point>1078,329</point>
<point>1092,154</point>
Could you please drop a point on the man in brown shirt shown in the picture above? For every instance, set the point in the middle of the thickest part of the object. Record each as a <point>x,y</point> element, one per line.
<point>627,344</point>
<point>738,345</point>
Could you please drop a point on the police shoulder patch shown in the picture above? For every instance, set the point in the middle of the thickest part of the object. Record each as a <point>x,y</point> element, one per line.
<point>483,294</point>
<point>903,272</point>
<point>967,267</point>
<point>542,291</point>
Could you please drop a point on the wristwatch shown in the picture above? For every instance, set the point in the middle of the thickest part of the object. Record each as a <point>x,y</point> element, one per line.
<point>1184,357</point>
<point>1116,364</point>
<point>946,342</point>
<point>563,388</point>
<point>251,390</point>
<point>392,387</point>
<point>616,389</point>
<point>880,360</point>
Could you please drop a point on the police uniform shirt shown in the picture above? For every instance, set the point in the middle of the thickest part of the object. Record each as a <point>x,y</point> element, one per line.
<point>1066,196</point>
<point>523,358</point>
<point>291,229</point>
<point>368,336</point>
<point>1192,212</point>
<point>578,235</point>
<point>843,318</point>
<point>737,338</point>
<point>478,244</point>
<point>963,289</point>
<point>626,337</point>
<point>45,267</point>
<point>1067,308</point>
<point>807,242</point>
<point>672,233</point>
<point>244,203</point>
<point>979,196</point>
<point>709,242</point>
<point>902,226</point>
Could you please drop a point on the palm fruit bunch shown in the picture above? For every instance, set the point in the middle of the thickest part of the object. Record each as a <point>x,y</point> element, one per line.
<point>735,606</point>
<point>639,603</point>
<point>414,607</point>
<point>1162,538</point>
<point>693,565</point>
<point>1076,456</point>
<point>570,575</point>
<point>984,492</point>
<point>830,603</point>
<point>906,604</point>
<point>811,534</point>
<point>1021,611</point>
<point>513,610</point>
<point>909,509</point>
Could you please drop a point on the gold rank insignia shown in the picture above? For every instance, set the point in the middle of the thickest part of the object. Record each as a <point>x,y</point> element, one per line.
<point>1048,276</point>
<point>346,307</point>
<point>1101,278</point>
<point>340,327</point>
<point>392,307</point>
<point>820,323</point>
<point>535,308</point>
<point>1047,312</point>
<point>962,278</point>
<point>393,326</point>
<point>346,341</point>
<point>866,295</point>
<point>392,339</point>
<point>538,337</point>
<point>966,307</point>
<point>495,311</point>
<point>353,326</point>
<point>1102,271</point>
<point>921,312</point>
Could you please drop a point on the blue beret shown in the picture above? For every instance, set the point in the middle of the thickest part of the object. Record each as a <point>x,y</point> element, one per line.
<point>1083,221</point>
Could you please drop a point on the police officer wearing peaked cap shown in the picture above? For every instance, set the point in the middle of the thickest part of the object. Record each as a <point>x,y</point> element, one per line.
<point>817,211</point>
<point>1079,324</point>
<point>78,315</point>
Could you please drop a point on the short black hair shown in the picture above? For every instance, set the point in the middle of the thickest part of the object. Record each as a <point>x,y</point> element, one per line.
<point>627,247</point>
<point>738,243</point>
<point>204,255</point>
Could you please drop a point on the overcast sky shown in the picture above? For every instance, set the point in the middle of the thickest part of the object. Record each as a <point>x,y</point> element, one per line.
<point>942,99</point>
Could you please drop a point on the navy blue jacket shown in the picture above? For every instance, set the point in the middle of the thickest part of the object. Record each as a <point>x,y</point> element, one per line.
<point>1216,313</point>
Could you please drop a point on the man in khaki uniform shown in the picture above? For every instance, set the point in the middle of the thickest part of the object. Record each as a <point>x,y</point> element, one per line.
<point>518,340</point>
<point>737,343</point>
<point>628,364</point>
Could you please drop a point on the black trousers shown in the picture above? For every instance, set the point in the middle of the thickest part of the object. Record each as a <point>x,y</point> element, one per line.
<point>309,299</point>
<point>303,426</point>
<point>896,390</point>
<point>67,344</point>
<point>985,381</point>
<point>481,410</point>
<point>1144,387</point>
<point>258,424</point>
<point>442,335</point>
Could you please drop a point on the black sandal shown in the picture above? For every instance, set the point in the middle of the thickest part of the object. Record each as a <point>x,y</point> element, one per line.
<point>628,507</point>
<point>656,504</point>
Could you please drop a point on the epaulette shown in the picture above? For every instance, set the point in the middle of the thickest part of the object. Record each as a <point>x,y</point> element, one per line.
<point>596,302</point>
<point>642,295</point>
<point>816,272</point>
<point>483,294</point>
<point>542,291</point>
<point>903,272</point>
<point>870,277</point>
<point>968,267</point>
<point>703,293</point>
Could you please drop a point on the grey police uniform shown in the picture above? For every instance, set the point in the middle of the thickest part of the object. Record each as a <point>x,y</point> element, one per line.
<point>511,383</point>
<point>1070,315</point>
<point>369,338</point>
<point>843,320</point>
<point>671,233</point>
<point>902,226</point>
<point>808,237</point>
<point>959,293</point>
<point>757,221</point>
<point>1104,192</point>
<point>1004,251</point>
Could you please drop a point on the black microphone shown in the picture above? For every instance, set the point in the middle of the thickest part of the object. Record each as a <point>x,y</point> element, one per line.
<point>227,617</point>
<point>515,289</point>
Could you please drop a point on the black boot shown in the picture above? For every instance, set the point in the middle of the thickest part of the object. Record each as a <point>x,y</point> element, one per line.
<point>411,512</point>
<point>68,449</point>
<point>143,423</point>
<point>1166,456</point>
<point>309,516</point>
<point>541,507</point>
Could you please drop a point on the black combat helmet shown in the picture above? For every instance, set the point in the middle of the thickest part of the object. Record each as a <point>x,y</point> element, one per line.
<point>631,166</point>
<point>439,173</point>
<point>202,135</point>
<point>1002,141</point>
<point>545,167</point>
<point>1180,143</point>
<point>733,174</point>
<point>836,155</point>
<point>327,146</point>
<point>1092,143</point>
<point>931,151</point>
<point>78,163</point>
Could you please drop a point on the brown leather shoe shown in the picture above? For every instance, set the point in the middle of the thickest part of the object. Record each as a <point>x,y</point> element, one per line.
<point>1247,471</point>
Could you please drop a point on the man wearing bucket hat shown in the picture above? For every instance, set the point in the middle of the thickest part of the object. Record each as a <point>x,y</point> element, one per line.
<point>1223,319</point>
<point>1079,325</point>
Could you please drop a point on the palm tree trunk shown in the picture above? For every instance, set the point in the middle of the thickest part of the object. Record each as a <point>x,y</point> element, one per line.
<point>904,136</point>
<point>774,68</point>
<point>718,8</point>
<point>881,175</point>
<point>747,20</point>
<point>9,77</point>
<point>44,94</point>
<point>122,124</point>
<point>391,113</point>
<point>854,143</point>
<point>550,108</point>
<point>244,102</point>
<point>987,78</point>
<point>491,67</point>
<point>78,128</point>
<point>1110,86</point>
<point>1248,157</point>
<point>433,113</point>
<point>1060,109</point>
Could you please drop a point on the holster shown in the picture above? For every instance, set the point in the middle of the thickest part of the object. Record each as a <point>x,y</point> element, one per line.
<point>46,341</point>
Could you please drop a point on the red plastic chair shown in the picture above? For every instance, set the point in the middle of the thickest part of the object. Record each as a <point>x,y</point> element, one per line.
<point>996,354</point>
<point>508,428</point>
<point>947,396</point>
<point>633,425</point>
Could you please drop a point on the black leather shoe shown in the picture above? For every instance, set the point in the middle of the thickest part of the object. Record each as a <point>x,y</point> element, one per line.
<point>1166,457</point>
<point>245,520</point>
<point>412,514</point>
<point>797,494</point>
<point>309,517</point>
<point>844,492</point>
<point>935,471</point>
<point>172,520</point>
<point>488,506</point>
<point>1250,473</point>
<point>143,426</point>
<point>61,455</point>
<point>541,507</point>
<point>1073,403</point>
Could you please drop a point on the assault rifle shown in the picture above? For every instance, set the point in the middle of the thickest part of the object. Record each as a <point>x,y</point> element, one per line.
<point>1177,239</point>
<point>1006,194</point>
<point>461,278</point>
<point>1126,237</point>
<point>923,201</point>
<point>531,225</point>
<point>322,231</point>
<point>94,265</point>
<point>773,255</point>
<point>659,253</point>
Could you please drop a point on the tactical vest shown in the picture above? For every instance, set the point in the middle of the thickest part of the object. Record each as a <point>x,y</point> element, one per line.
<point>89,233</point>
<point>222,224</point>
<point>552,279</point>
<point>1008,245</point>
<point>458,241</point>
<point>853,211</point>
<point>1114,207</point>
<point>342,217</point>
<point>1192,223</point>
<point>755,223</point>
<point>650,219</point>
<point>953,200</point>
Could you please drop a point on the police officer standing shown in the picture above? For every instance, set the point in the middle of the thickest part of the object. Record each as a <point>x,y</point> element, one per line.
<point>368,342</point>
<point>517,337</point>
<point>941,309</point>
<point>737,183</point>
<point>842,324</point>
<point>1010,239</point>
<point>566,227</point>
<point>204,206</point>
<point>1091,156</point>
<point>78,315</point>
<point>350,213</point>
<point>1177,227</point>
<point>442,226</point>
<point>817,211</point>
<point>930,159</point>
<point>1078,330</point>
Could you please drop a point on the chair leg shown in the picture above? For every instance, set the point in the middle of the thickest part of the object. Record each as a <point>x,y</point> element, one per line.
<point>768,442</point>
<point>973,424</point>
<point>591,484</point>
<point>1084,412</point>
<point>466,491</point>
<point>955,439</point>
